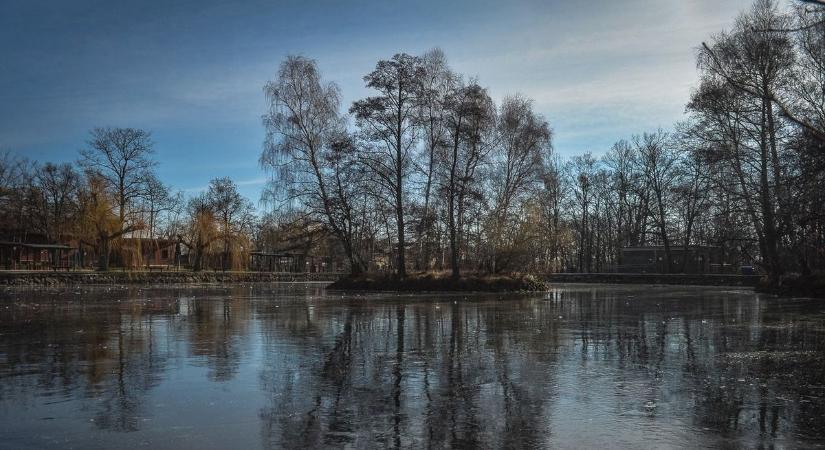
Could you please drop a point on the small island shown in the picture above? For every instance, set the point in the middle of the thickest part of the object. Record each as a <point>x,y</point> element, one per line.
<point>437,282</point>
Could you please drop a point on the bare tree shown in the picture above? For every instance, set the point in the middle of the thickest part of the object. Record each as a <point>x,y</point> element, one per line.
<point>12,173</point>
<point>388,123</point>
<point>122,159</point>
<point>470,121</point>
<point>582,171</point>
<point>234,215</point>
<point>55,190</point>
<point>157,198</point>
<point>631,195</point>
<point>756,63</point>
<point>200,229</point>
<point>690,192</point>
<point>552,199</point>
<point>523,143</point>
<point>15,178</point>
<point>658,163</point>
<point>308,152</point>
<point>437,84</point>
<point>804,94</point>
<point>99,222</point>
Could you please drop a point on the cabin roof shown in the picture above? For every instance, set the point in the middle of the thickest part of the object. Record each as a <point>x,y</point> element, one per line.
<point>36,246</point>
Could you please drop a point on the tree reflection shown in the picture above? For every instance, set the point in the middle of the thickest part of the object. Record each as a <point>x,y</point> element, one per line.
<point>709,367</point>
<point>487,373</point>
<point>108,353</point>
<point>399,376</point>
<point>219,329</point>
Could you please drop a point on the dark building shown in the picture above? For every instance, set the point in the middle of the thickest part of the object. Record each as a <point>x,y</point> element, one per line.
<point>299,248</point>
<point>30,256</point>
<point>293,262</point>
<point>653,259</point>
<point>137,252</point>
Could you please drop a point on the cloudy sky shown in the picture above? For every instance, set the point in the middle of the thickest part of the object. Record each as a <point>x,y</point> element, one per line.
<point>192,72</point>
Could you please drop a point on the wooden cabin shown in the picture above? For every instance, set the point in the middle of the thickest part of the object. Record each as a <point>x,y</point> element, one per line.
<point>35,256</point>
<point>653,259</point>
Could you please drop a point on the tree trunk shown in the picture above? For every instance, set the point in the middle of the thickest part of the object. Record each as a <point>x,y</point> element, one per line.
<point>456,273</point>
<point>769,227</point>
<point>399,186</point>
<point>103,257</point>
<point>196,265</point>
<point>399,212</point>
<point>355,265</point>
<point>424,228</point>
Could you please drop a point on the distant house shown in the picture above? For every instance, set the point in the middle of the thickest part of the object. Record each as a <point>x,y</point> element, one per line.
<point>35,251</point>
<point>298,247</point>
<point>139,252</point>
<point>653,259</point>
<point>34,256</point>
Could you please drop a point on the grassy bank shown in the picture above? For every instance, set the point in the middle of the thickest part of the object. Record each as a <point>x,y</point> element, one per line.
<point>435,282</point>
<point>441,283</point>
<point>796,286</point>
<point>149,278</point>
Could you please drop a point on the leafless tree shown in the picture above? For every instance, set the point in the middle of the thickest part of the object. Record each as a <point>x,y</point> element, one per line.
<point>631,195</point>
<point>15,178</point>
<point>523,143</point>
<point>659,164</point>
<point>756,63</point>
<point>582,172</point>
<point>234,215</point>
<point>156,199</point>
<point>122,159</point>
<point>54,199</point>
<point>309,153</point>
<point>690,190</point>
<point>437,84</point>
<point>200,230</point>
<point>469,121</point>
<point>388,124</point>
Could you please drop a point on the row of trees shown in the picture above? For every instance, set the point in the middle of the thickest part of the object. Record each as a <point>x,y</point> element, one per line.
<point>113,193</point>
<point>745,169</point>
<point>429,173</point>
<point>433,158</point>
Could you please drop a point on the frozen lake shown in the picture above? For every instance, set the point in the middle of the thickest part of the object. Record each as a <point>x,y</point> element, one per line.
<point>291,365</point>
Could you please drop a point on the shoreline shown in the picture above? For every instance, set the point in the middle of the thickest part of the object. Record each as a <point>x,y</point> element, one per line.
<point>422,283</point>
<point>675,279</point>
<point>528,283</point>
<point>796,286</point>
<point>432,283</point>
<point>8,279</point>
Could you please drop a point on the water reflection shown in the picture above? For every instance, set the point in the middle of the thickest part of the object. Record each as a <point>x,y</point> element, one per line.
<point>293,366</point>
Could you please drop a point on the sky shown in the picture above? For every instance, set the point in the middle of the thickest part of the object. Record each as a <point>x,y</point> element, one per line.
<point>192,72</point>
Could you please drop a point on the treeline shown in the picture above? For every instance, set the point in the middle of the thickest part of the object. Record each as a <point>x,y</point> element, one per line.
<point>112,202</point>
<point>429,173</point>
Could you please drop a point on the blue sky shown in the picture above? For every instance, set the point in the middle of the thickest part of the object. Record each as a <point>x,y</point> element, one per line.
<point>192,72</point>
